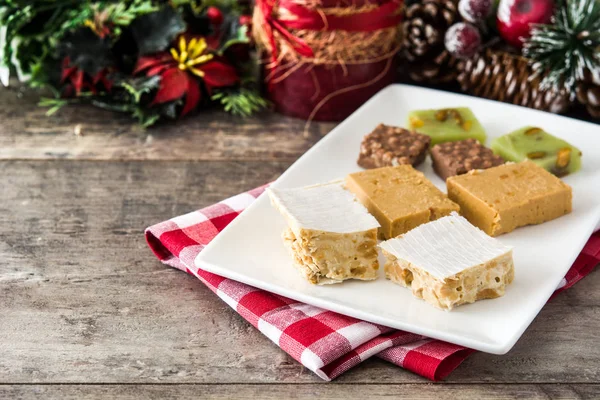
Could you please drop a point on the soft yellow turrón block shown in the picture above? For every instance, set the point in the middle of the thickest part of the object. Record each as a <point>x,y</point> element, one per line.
<point>449,262</point>
<point>330,236</point>
<point>401,198</point>
<point>501,199</point>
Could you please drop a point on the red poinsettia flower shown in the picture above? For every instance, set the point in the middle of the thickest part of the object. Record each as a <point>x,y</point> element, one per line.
<point>77,81</point>
<point>180,69</point>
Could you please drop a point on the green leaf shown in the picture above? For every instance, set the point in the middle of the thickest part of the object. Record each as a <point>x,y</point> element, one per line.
<point>13,21</point>
<point>154,32</point>
<point>137,87</point>
<point>123,14</point>
<point>54,104</point>
<point>149,120</point>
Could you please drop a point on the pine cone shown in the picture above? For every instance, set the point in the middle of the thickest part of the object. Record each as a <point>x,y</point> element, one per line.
<point>507,77</point>
<point>588,93</point>
<point>425,24</point>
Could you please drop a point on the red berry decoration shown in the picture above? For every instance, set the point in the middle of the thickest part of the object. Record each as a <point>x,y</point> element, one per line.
<point>246,20</point>
<point>475,11</point>
<point>214,15</point>
<point>462,40</point>
<point>515,18</point>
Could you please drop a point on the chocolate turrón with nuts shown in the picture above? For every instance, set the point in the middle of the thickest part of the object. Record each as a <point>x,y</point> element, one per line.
<point>390,146</point>
<point>457,158</point>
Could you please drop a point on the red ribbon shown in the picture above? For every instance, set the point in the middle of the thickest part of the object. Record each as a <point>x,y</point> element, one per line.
<point>384,16</point>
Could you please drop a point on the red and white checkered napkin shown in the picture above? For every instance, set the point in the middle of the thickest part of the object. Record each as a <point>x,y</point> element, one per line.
<point>324,342</point>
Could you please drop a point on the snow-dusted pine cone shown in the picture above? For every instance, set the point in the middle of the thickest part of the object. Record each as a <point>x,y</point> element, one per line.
<point>588,93</point>
<point>507,77</point>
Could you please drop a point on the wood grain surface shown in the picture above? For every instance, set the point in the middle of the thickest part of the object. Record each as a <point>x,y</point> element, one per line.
<point>86,311</point>
<point>27,133</point>
<point>294,391</point>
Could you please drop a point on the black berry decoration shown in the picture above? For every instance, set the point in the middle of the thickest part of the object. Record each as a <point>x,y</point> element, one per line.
<point>475,11</point>
<point>462,40</point>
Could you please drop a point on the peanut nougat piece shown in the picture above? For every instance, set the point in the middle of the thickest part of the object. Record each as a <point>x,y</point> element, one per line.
<point>331,236</point>
<point>449,262</point>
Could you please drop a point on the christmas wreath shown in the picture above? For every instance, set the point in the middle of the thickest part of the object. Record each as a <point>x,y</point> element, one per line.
<point>152,59</point>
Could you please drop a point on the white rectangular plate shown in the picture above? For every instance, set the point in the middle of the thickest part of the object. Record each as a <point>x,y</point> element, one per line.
<point>251,250</point>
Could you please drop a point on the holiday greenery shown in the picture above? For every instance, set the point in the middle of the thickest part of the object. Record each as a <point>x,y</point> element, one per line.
<point>535,53</point>
<point>568,46</point>
<point>152,59</point>
<point>163,59</point>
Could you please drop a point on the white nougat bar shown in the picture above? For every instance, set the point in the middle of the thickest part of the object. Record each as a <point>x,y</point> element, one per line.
<point>449,262</point>
<point>330,235</point>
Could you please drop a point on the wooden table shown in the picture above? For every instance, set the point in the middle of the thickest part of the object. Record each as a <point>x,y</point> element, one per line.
<point>87,311</point>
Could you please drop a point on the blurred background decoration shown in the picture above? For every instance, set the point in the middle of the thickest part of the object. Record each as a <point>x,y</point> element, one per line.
<point>314,59</point>
<point>152,59</point>
<point>322,59</point>
<point>543,54</point>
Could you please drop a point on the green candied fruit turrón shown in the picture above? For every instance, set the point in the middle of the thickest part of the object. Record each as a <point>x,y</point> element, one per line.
<point>447,124</point>
<point>549,152</point>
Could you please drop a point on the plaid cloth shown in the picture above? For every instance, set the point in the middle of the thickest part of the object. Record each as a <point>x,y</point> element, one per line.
<point>324,342</point>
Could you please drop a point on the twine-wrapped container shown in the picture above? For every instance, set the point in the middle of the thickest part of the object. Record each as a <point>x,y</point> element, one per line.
<point>322,59</point>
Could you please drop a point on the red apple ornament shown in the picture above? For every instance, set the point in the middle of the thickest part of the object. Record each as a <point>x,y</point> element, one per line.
<point>515,18</point>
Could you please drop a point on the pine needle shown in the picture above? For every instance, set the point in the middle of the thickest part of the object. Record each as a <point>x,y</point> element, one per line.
<point>243,102</point>
<point>562,50</point>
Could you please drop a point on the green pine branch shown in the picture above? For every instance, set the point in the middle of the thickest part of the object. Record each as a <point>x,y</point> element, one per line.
<point>243,102</point>
<point>53,104</point>
<point>123,14</point>
<point>561,51</point>
<point>137,87</point>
